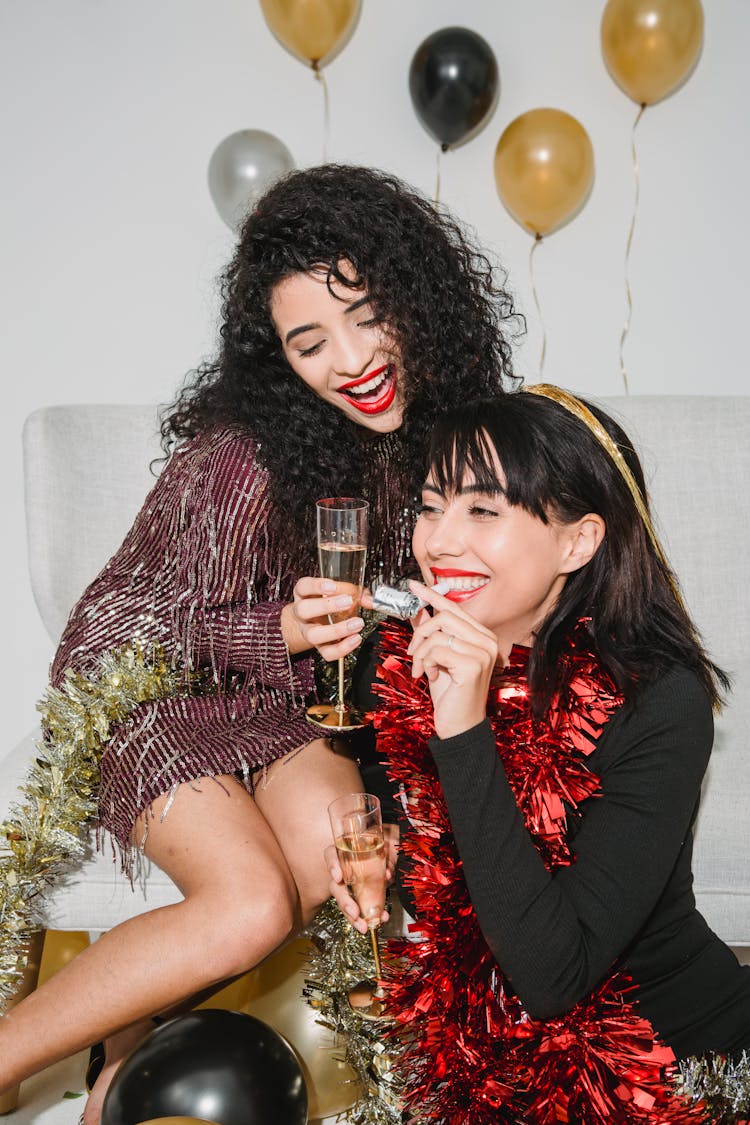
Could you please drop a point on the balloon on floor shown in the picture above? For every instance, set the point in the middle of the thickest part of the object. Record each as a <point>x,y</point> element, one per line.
<point>217,1066</point>
<point>60,947</point>
<point>276,997</point>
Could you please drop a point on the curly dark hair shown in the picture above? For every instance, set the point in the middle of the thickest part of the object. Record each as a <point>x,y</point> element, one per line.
<point>438,294</point>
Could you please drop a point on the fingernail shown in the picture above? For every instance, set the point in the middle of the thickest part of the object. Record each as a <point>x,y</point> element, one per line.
<point>352,642</point>
<point>354,624</point>
<point>343,601</point>
<point>327,586</point>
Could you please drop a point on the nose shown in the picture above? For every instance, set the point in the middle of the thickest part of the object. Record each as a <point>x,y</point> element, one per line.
<point>444,538</point>
<point>353,352</point>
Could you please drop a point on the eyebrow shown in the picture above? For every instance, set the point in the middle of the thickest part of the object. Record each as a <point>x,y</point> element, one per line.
<point>465,490</point>
<point>309,327</point>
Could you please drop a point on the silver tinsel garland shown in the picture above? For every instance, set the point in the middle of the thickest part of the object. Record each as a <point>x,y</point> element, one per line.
<point>46,829</point>
<point>342,960</point>
<point>722,1084</point>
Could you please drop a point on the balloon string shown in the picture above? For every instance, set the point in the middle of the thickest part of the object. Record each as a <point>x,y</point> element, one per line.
<point>628,294</point>
<point>534,245</point>
<point>326,113</point>
<point>437,183</point>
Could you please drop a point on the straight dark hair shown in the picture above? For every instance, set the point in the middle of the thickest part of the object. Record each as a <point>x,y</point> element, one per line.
<point>556,469</point>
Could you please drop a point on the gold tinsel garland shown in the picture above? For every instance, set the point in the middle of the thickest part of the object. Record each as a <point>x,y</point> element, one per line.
<point>46,829</point>
<point>343,959</point>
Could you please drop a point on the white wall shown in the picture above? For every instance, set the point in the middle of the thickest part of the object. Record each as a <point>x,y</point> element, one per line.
<point>110,243</point>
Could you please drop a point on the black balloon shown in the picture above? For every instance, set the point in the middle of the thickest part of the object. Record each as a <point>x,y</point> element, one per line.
<point>219,1066</point>
<point>454,83</point>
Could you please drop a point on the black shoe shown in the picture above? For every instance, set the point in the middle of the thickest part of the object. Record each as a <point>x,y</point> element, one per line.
<point>96,1064</point>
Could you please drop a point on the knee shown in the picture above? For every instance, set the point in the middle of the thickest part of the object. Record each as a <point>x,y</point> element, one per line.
<point>248,924</point>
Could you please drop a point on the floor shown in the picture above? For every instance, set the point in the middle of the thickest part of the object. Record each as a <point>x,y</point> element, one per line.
<point>43,1102</point>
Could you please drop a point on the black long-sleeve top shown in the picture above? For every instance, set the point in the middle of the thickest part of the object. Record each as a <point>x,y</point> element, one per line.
<point>627,898</point>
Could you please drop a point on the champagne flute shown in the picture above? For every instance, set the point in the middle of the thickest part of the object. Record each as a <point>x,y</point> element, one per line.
<point>357,828</point>
<point>342,551</point>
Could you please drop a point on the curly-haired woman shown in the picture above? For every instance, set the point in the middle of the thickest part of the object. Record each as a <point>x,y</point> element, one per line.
<point>354,312</point>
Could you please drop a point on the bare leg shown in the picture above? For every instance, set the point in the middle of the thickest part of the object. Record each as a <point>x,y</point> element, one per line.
<point>294,800</point>
<point>307,782</point>
<point>240,903</point>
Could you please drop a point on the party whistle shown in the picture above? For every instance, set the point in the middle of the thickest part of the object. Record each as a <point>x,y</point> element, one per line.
<point>401,603</point>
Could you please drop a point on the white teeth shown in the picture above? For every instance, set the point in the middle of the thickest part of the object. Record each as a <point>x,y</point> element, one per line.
<point>370,385</point>
<point>461,583</point>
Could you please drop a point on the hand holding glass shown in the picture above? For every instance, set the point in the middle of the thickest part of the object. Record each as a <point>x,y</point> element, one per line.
<point>342,552</point>
<point>357,829</point>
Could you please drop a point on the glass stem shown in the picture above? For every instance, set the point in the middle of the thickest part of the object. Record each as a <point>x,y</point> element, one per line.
<point>376,951</point>
<point>340,700</point>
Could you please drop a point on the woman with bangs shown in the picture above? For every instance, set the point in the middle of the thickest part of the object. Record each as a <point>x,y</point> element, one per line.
<point>354,312</point>
<point>547,723</point>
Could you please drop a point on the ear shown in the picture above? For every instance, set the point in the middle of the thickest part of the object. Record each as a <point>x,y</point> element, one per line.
<point>583,540</point>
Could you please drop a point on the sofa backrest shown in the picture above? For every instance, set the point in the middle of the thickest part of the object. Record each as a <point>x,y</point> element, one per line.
<point>87,473</point>
<point>696,455</point>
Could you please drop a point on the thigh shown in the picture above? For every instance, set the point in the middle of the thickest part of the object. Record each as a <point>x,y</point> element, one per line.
<point>210,837</point>
<point>294,797</point>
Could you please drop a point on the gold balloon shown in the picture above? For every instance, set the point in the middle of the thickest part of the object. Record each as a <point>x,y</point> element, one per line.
<point>232,997</point>
<point>313,30</point>
<point>60,946</point>
<point>277,999</point>
<point>176,1121</point>
<point>650,46</point>
<point>544,169</point>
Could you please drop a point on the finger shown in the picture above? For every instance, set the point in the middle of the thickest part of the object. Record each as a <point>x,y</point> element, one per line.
<point>332,863</point>
<point>440,602</point>
<point>366,600</point>
<point>308,587</point>
<point>315,608</point>
<point>333,651</point>
<point>458,634</point>
<point>421,617</point>
<point>441,653</point>
<point>348,906</point>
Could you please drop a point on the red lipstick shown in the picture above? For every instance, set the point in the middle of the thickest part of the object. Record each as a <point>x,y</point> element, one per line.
<point>383,395</point>
<point>452,572</point>
<point>363,378</point>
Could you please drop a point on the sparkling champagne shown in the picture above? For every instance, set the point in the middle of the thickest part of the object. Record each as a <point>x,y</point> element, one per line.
<point>345,563</point>
<point>363,863</point>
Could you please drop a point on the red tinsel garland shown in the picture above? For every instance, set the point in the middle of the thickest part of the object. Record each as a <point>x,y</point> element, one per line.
<point>472,1055</point>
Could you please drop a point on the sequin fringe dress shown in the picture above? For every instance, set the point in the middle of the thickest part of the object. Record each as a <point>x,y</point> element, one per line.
<point>198,576</point>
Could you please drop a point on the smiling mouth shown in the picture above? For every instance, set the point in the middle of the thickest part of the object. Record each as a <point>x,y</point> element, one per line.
<point>459,585</point>
<point>373,392</point>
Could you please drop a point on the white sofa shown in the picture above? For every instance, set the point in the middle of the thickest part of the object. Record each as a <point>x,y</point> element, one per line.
<point>87,471</point>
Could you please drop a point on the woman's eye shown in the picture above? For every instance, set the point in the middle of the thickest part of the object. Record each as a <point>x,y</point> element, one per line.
<point>482,513</point>
<point>313,350</point>
<point>373,320</point>
<point>426,510</point>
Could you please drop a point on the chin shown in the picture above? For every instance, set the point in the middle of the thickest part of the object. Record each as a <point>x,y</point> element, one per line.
<point>385,423</point>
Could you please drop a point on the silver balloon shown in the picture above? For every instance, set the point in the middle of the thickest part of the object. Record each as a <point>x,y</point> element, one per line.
<point>240,170</point>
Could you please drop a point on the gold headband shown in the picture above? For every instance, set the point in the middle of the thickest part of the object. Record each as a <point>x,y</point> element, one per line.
<point>575,407</point>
